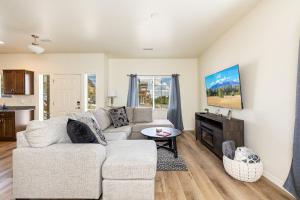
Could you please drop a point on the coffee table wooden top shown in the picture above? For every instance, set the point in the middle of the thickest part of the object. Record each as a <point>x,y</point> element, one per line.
<point>151,132</point>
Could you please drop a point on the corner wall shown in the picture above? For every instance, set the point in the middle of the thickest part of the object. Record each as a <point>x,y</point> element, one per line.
<point>265,45</point>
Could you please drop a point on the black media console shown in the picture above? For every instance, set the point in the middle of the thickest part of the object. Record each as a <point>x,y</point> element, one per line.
<point>213,129</point>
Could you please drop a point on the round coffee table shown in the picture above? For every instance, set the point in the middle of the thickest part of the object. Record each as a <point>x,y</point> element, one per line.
<point>170,140</point>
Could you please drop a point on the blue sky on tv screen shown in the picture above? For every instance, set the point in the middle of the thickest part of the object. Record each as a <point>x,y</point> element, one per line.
<point>229,76</point>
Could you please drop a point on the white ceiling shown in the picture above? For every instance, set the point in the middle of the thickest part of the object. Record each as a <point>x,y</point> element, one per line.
<point>120,28</point>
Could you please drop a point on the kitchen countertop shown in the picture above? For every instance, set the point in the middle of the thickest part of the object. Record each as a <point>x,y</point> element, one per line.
<point>16,108</point>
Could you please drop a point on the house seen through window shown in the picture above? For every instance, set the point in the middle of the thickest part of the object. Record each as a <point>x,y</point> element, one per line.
<point>154,91</point>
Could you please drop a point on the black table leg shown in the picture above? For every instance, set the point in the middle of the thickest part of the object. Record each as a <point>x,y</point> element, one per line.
<point>174,147</point>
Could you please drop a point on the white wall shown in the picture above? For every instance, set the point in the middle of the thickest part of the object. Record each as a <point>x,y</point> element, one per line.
<point>57,63</point>
<point>187,68</point>
<point>265,44</point>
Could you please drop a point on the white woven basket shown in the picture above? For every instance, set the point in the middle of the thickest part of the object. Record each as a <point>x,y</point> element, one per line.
<point>249,172</point>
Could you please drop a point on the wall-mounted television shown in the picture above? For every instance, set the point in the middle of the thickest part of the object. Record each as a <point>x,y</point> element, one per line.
<point>223,89</point>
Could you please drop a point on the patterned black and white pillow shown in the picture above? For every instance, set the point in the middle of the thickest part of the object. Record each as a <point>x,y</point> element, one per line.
<point>89,119</point>
<point>119,116</point>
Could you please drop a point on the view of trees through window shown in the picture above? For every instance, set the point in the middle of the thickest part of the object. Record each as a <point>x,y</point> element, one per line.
<point>154,91</point>
<point>46,96</point>
<point>91,91</point>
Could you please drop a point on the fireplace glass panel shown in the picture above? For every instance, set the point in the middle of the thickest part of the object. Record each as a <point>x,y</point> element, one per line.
<point>207,138</point>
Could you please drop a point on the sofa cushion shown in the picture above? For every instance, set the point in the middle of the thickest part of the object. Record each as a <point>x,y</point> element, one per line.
<point>119,117</point>
<point>125,129</point>
<point>130,159</point>
<point>44,133</point>
<point>129,112</point>
<point>80,132</point>
<point>102,117</point>
<point>111,136</point>
<point>155,123</point>
<point>142,115</point>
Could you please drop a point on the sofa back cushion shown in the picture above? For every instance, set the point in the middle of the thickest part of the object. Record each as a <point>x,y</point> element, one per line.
<point>103,118</point>
<point>45,133</point>
<point>80,132</point>
<point>129,112</point>
<point>141,115</point>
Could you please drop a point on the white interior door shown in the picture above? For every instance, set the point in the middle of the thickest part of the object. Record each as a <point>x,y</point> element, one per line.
<point>66,94</point>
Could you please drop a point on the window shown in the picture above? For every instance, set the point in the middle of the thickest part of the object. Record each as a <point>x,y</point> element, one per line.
<point>91,91</point>
<point>154,91</point>
<point>44,96</point>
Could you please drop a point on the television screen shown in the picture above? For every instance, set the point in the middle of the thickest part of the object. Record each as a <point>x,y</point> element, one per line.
<point>223,88</point>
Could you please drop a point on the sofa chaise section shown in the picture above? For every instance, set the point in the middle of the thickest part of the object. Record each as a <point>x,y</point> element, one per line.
<point>129,170</point>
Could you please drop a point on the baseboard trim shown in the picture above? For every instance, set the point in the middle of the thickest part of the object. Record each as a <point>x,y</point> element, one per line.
<point>278,182</point>
<point>191,131</point>
<point>273,179</point>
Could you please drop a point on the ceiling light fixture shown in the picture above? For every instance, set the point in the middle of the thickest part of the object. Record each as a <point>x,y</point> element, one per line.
<point>34,46</point>
<point>1,42</point>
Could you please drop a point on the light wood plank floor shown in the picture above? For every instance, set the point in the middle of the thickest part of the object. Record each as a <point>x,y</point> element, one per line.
<point>205,179</point>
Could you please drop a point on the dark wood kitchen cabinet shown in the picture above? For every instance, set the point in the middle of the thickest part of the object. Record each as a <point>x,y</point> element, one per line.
<point>12,122</point>
<point>7,128</point>
<point>18,82</point>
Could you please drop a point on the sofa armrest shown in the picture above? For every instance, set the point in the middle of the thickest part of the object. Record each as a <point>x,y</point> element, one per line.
<point>58,171</point>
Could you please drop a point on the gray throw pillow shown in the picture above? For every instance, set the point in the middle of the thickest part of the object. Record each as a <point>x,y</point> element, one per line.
<point>79,132</point>
<point>89,119</point>
<point>119,117</point>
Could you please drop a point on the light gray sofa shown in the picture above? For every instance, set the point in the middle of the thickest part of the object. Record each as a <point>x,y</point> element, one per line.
<point>46,165</point>
<point>139,119</point>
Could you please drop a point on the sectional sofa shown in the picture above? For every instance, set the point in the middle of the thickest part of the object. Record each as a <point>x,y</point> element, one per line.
<point>46,165</point>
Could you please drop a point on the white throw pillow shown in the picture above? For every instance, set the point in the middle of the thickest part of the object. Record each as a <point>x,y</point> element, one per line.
<point>103,118</point>
<point>45,133</point>
<point>142,115</point>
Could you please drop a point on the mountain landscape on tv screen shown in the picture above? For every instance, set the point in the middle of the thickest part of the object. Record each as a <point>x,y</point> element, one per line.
<point>224,84</point>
